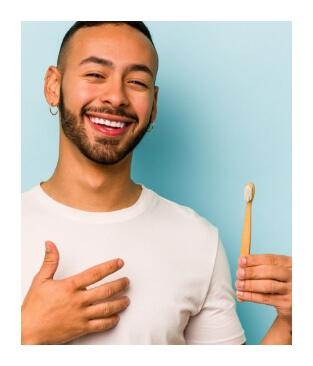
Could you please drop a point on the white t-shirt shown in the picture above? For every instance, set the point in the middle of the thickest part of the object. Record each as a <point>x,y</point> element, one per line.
<point>180,286</point>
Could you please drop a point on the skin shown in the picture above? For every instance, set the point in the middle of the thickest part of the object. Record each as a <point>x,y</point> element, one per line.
<point>55,312</point>
<point>84,181</point>
<point>267,279</point>
<point>77,181</point>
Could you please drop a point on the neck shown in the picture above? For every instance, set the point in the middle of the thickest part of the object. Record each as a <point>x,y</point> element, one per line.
<point>80,183</point>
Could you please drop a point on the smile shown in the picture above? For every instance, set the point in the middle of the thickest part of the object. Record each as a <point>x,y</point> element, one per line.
<point>107,122</point>
<point>109,127</point>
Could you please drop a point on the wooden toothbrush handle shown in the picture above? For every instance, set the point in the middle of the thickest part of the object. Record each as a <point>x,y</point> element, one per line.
<point>246,231</point>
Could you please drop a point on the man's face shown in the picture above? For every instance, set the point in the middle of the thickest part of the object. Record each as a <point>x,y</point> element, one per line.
<point>107,92</point>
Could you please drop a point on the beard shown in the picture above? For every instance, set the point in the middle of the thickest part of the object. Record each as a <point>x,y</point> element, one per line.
<point>103,151</point>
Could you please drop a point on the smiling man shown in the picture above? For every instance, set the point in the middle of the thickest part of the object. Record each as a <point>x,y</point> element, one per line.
<point>105,130</point>
<point>169,277</point>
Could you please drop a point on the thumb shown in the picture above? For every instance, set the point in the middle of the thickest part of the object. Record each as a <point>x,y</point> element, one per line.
<point>50,262</point>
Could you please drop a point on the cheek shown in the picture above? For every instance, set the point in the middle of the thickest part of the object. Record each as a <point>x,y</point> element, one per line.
<point>76,96</point>
<point>143,105</point>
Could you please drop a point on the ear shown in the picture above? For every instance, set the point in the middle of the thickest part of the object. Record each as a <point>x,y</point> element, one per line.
<point>52,86</point>
<point>155,104</point>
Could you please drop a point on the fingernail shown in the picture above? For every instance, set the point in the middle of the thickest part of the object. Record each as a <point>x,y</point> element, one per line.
<point>120,262</point>
<point>47,245</point>
<point>241,273</point>
<point>239,293</point>
<point>240,284</point>
<point>243,260</point>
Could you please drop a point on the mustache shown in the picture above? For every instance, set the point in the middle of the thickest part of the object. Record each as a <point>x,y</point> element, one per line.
<point>120,111</point>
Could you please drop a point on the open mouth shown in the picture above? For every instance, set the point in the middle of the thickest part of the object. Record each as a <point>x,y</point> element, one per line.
<point>109,125</point>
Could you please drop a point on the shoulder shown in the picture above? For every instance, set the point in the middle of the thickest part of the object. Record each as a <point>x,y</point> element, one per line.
<point>30,199</point>
<point>185,218</point>
<point>30,194</point>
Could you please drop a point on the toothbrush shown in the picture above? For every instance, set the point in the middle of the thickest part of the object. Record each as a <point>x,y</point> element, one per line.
<point>246,230</point>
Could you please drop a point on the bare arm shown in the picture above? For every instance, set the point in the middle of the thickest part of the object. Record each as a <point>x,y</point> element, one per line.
<point>279,333</point>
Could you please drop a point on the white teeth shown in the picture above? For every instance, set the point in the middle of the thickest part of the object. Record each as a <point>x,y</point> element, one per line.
<point>106,122</point>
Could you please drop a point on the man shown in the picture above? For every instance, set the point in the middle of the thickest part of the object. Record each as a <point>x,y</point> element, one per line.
<point>169,277</point>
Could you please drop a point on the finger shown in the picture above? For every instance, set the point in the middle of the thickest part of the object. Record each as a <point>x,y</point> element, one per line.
<point>263,286</point>
<point>50,262</point>
<point>96,273</point>
<point>100,325</point>
<point>106,291</point>
<point>264,272</point>
<point>265,259</point>
<point>266,299</point>
<point>107,309</point>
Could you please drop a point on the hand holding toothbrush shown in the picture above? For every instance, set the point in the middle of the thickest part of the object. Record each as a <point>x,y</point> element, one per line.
<point>265,279</point>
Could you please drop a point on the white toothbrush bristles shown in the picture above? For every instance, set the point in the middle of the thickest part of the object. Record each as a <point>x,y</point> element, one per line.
<point>249,192</point>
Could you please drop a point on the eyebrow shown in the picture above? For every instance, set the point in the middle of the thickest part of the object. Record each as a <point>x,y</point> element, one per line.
<point>108,63</point>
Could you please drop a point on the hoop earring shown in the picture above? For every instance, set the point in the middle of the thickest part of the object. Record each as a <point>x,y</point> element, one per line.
<point>55,112</point>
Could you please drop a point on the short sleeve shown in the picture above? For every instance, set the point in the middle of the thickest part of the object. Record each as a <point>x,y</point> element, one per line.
<point>217,322</point>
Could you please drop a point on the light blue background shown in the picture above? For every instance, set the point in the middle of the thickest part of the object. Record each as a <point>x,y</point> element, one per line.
<point>224,119</point>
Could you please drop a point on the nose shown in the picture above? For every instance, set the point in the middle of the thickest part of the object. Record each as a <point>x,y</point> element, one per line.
<point>114,93</point>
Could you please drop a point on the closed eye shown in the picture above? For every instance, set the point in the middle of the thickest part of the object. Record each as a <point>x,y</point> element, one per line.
<point>137,82</point>
<point>95,75</point>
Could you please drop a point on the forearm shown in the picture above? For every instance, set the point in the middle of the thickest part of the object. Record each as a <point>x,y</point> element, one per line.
<point>279,333</point>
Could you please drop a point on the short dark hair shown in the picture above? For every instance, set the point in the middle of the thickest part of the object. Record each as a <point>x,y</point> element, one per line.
<point>78,25</point>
